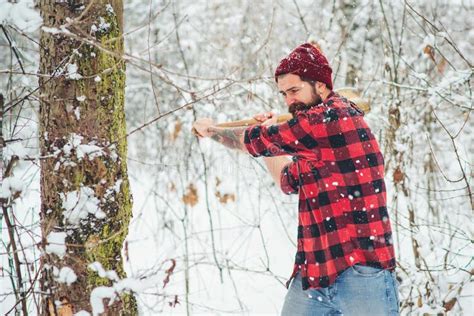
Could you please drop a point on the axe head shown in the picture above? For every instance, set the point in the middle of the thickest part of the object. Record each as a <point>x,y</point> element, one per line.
<point>353,95</point>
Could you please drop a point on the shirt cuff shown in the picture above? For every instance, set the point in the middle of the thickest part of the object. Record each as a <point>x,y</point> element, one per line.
<point>288,183</point>
<point>249,145</point>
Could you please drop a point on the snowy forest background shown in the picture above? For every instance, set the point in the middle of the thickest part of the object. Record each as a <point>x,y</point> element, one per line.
<point>216,215</point>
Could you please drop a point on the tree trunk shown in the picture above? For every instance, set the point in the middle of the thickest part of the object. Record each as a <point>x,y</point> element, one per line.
<point>85,195</point>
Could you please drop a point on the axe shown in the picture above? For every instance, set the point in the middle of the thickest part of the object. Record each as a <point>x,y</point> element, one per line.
<point>349,93</point>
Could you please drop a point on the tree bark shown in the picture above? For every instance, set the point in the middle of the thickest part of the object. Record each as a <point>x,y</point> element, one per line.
<point>82,105</point>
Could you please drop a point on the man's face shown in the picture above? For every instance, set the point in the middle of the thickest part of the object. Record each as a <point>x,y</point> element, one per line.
<point>298,94</point>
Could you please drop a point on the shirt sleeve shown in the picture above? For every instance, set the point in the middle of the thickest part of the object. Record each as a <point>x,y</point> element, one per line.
<point>288,179</point>
<point>286,138</point>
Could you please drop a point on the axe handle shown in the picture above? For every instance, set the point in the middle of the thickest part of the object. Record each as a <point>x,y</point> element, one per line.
<point>248,122</point>
<point>280,119</point>
<point>348,93</point>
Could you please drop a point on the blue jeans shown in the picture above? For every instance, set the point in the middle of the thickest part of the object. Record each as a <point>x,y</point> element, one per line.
<point>360,290</point>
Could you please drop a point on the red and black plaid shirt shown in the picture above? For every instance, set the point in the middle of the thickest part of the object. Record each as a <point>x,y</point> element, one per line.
<point>338,171</point>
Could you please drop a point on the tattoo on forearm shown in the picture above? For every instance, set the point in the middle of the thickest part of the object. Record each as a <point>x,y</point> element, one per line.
<point>229,137</point>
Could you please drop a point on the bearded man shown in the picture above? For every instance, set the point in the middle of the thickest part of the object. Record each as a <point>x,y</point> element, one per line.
<point>345,260</point>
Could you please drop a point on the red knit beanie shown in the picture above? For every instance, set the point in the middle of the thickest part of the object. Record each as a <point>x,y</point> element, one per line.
<point>308,62</point>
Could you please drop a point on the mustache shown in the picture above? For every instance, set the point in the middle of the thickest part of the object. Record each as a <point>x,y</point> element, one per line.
<point>300,106</point>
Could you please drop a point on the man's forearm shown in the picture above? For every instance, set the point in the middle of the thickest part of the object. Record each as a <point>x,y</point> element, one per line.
<point>275,166</point>
<point>232,138</point>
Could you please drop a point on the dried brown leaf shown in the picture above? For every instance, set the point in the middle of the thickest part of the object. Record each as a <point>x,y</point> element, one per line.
<point>419,302</point>
<point>65,309</point>
<point>429,50</point>
<point>442,65</point>
<point>225,198</point>
<point>398,175</point>
<point>191,196</point>
<point>174,302</point>
<point>449,304</point>
<point>177,129</point>
<point>169,272</point>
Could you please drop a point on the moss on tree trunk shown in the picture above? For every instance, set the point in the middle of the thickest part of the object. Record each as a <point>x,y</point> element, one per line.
<point>83,103</point>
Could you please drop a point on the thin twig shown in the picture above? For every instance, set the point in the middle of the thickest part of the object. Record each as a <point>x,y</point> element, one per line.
<point>11,235</point>
<point>12,47</point>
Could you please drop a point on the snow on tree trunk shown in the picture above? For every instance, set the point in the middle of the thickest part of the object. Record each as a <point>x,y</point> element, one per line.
<point>86,203</point>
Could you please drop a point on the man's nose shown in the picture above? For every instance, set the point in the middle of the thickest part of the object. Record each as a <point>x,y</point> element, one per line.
<point>290,100</point>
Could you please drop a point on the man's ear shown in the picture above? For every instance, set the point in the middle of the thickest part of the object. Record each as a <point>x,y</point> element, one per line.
<point>320,86</point>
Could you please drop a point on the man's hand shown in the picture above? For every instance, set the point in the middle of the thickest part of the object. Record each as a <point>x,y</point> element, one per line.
<point>231,137</point>
<point>267,118</point>
<point>201,127</point>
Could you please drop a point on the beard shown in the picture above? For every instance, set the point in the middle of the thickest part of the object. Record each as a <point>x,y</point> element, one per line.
<point>300,106</point>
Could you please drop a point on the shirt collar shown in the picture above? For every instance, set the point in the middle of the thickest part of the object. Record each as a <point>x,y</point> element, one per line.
<point>330,95</point>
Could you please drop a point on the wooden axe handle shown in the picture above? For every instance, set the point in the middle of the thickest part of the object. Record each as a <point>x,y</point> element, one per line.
<point>247,122</point>
<point>349,93</point>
